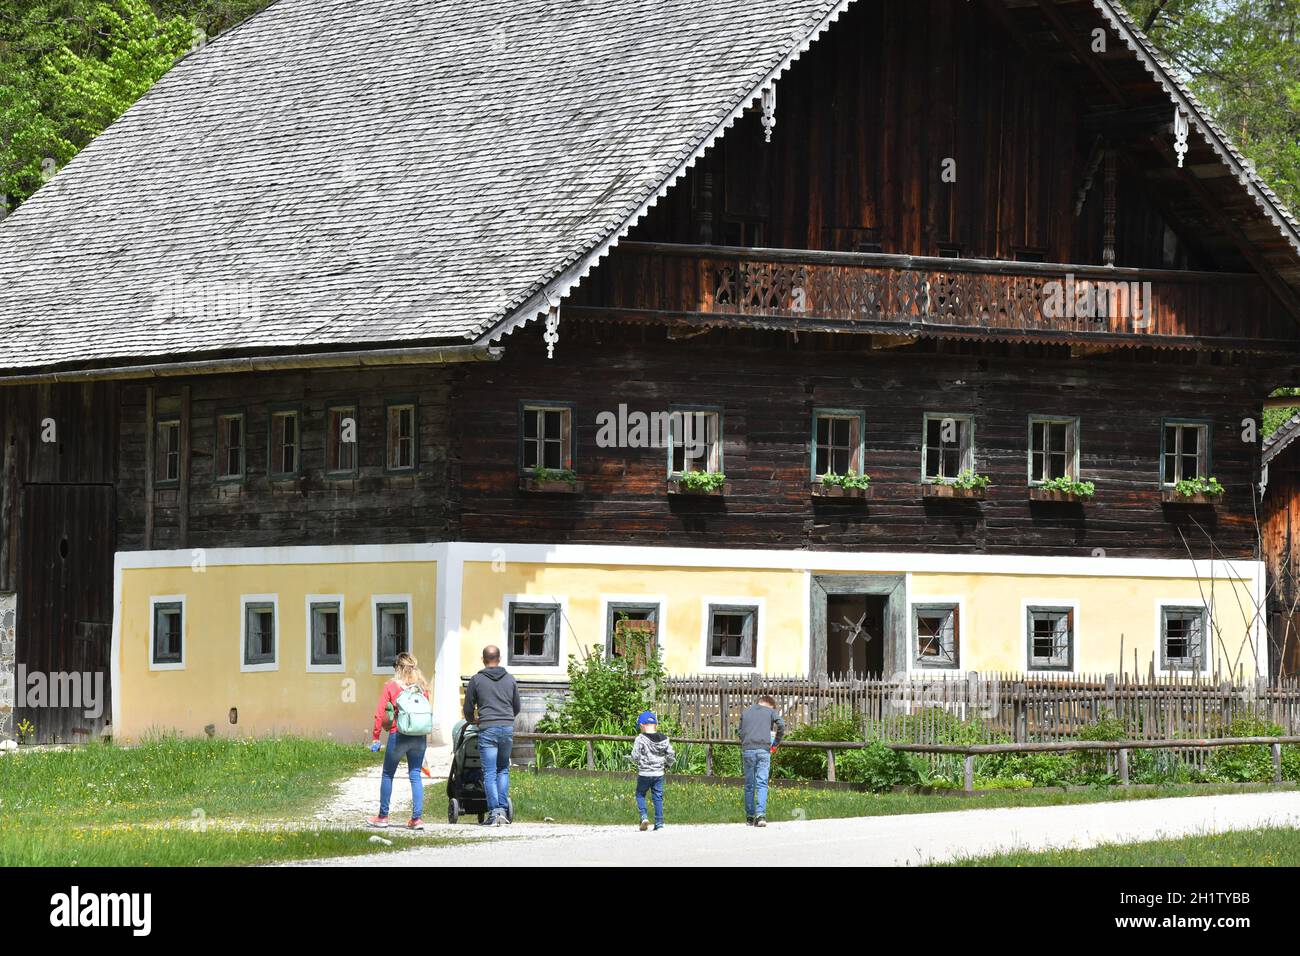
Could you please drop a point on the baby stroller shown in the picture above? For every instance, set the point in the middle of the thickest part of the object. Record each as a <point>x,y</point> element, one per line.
<point>465,793</point>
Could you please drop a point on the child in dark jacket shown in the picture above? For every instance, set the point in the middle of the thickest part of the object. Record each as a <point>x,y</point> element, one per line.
<point>653,754</point>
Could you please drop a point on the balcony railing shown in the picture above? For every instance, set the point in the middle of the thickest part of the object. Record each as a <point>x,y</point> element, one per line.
<point>799,289</point>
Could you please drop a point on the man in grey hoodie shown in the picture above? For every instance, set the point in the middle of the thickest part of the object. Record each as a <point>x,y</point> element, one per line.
<point>496,695</point>
<point>757,744</point>
<point>652,754</point>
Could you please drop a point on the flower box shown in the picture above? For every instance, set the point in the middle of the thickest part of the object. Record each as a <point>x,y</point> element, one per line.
<point>550,487</point>
<point>1171,497</point>
<point>937,490</point>
<point>677,488</point>
<point>1061,497</point>
<point>819,490</point>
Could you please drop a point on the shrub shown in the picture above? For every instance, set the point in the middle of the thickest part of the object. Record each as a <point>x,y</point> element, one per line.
<point>1092,766</point>
<point>606,694</point>
<point>1031,769</point>
<point>1251,764</point>
<point>876,766</point>
<point>801,763</point>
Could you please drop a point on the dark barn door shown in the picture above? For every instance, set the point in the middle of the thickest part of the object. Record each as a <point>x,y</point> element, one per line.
<point>65,600</point>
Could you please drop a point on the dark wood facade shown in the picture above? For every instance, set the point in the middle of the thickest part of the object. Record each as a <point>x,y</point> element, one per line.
<point>1280,540</point>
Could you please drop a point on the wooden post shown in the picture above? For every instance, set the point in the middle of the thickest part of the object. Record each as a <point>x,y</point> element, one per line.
<point>150,465</point>
<point>591,756</point>
<point>1277,763</point>
<point>1123,766</point>
<point>708,760</point>
<point>183,491</point>
<point>969,768</point>
<point>830,764</point>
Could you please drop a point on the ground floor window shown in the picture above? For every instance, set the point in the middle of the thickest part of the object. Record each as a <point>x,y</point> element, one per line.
<point>326,622</point>
<point>392,631</point>
<point>167,639</point>
<point>936,635</point>
<point>631,623</point>
<point>259,632</point>
<point>733,640</point>
<point>1051,638</point>
<point>534,634</point>
<point>1182,638</point>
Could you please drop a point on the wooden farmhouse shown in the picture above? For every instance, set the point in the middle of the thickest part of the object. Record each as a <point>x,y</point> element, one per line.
<point>370,329</point>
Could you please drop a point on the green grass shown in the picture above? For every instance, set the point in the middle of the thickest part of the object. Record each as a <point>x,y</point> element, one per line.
<point>1268,847</point>
<point>596,800</point>
<point>175,801</point>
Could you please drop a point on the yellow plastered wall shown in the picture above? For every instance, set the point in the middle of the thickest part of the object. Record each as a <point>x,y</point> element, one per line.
<point>286,700</point>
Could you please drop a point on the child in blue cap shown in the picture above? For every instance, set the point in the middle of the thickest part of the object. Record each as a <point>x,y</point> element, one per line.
<point>652,754</point>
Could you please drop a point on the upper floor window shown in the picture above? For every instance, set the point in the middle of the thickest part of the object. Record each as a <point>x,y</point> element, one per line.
<point>948,446</point>
<point>341,440</point>
<point>837,442</point>
<point>695,440</point>
<point>1186,452</point>
<point>286,443</point>
<point>547,437</point>
<point>401,436</point>
<point>1053,449</point>
<point>168,451</point>
<point>230,446</point>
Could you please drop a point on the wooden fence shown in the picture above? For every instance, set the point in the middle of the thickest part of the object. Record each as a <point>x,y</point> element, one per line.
<point>994,706</point>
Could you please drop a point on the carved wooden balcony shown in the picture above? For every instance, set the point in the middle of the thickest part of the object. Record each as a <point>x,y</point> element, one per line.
<point>910,295</point>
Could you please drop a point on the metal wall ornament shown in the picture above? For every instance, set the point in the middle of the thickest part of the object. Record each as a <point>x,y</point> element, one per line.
<point>769,112</point>
<point>1180,135</point>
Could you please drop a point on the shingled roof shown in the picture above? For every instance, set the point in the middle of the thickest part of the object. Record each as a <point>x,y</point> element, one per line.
<point>334,173</point>
<point>342,175</point>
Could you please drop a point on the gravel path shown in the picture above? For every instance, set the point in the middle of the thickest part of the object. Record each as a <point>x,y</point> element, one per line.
<point>864,841</point>
<point>358,797</point>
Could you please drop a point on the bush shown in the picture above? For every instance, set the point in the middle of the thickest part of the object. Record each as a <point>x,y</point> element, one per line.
<point>876,766</point>
<point>1032,769</point>
<point>1093,766</point>
<point>606,694</point>
<point>1251,764</point>
<point>800,763</point>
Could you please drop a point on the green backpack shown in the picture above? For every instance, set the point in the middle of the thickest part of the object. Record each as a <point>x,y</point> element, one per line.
<point>414,713</point>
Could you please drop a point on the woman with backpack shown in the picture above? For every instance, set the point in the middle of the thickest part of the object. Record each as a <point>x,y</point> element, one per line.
<point>405,712</point>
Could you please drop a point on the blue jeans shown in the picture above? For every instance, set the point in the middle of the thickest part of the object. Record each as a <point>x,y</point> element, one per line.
<point>656,787</point>
<point>495,744</point>
<point>412,748</point>
<point>757,764</point>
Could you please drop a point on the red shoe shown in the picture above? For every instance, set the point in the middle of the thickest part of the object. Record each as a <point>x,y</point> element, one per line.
<point>379,823</point>
<point>416,824</point>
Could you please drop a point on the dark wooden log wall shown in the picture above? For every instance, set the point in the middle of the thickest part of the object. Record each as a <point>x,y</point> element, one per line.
<point>865,121</point>
<point>768,386</point>
<point>1280,538</point>
<point>372,508</point>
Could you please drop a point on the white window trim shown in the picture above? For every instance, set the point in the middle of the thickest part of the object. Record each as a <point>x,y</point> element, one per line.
<point>969,418</point>
<point>341,666</point>
<point>1207,639</point>
<point>913,670</point>
<point>244,601</point>
<point>154,601</point>
<point>1075,429</point>
<point>1025,605</point>
<point>375,601</point>
<point>562,649</point>
<point>662,600</point>
<point>760,643</point>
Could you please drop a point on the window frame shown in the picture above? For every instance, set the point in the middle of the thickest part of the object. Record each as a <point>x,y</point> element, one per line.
<point>566,435</point>
<point>272,457</point>
<point>333,442</point>
<point>156,601</point>
<point>247,602</point>
<point>550,658</point>
<point>1071,446</point>
<point>919,605</point>
<point>161,455</point>
<point>379,603</point>
<point>745,661</point>
<point>394,405</point>
<point>1045,606</point>
<point>1182,605</point>
<point>611,606</point>
<point>857,450</point>
<point>714,454</point>
<point>967,455</point>
<point>221,448</point>
<point>311,602</point>
<point>1203,456</point>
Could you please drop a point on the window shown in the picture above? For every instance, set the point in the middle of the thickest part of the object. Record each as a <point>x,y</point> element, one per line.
<point>341,440</point>
<point>695,440</point>
<point>625,619</point>
<point>547,438</point>
<point>948,446</point>
<point>284,454</point>
<point>1053,449</point>
<point>325,634</point>
<point>1185,454</point>
<point>936,635</point>
<point>732,636</point>
<point>534,635</point>
<point>1051,638</point>
<point>392,631</point>
<point>167,639</point>
<point>230,447</point>
<point>260,650</point>
<point>401,437</point>
<point>837,442</point>
<point>1182,639</point>
<point>167,448</point>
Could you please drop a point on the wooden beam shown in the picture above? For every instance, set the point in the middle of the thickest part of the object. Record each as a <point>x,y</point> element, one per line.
<point>183,492</point>
<point>150,464</point>
<point>1081,51</point>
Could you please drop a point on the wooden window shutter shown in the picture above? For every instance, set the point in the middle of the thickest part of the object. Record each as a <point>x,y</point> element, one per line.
<point>566,436</point>
<point>855,445</point>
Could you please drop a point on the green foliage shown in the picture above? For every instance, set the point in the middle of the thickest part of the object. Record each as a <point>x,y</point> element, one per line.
<point>1252,764</point>
<point>24,731</point>
<point>702,481</point>
<point>555,474</point>
<point>805,762</point>
<point>850,480</point>
<point>1199,486</point>
<point>1083,489</point>
<point>966,478</point>
<point>1020,770</point>
<point>876,766</point>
